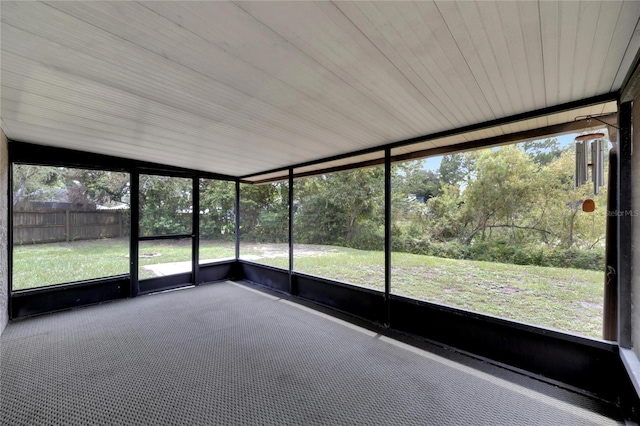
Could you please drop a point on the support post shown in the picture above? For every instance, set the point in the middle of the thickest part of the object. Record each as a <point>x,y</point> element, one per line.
<point>387,236</point>
<point>291,289</point>
<point>623,216</point>
<point>195,230</point>
<point>135,231</point>
<point>10,241</point>
<point>237,215</point>
<point>610,310</point>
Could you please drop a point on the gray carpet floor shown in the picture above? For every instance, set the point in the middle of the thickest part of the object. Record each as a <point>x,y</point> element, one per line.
<point>225,354</point>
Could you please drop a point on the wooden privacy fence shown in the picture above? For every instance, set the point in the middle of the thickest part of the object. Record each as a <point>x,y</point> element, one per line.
<point>33,227</point>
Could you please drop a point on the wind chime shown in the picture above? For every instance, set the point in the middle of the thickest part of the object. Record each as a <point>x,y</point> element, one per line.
<point>590,155</point>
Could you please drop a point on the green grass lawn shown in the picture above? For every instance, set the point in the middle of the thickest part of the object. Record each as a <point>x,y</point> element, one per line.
<point>566,299</point>
<point>47,264</point>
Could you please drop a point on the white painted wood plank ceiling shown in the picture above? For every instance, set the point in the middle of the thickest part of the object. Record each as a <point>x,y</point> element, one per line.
<point>243,87</point>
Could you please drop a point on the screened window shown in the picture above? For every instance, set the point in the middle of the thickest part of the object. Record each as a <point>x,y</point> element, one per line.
<point>501,231</point>
<point>166,204</point>
<point>166,210</point>
<point>339,226</point>
<point>217,220</point>
<point>69,225</point>
<point>264,223</point>
<point>159,258</point>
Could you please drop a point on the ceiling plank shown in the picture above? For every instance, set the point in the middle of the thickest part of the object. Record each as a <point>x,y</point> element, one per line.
<point>589,15</point>
<point>371,23</point>
<point>568,19</point>
<point>550,31</point>
<point>477,49</point>
<point>630,13</point>
<point>610,14</point>
<point>489,15</point>
<point>529,18</point>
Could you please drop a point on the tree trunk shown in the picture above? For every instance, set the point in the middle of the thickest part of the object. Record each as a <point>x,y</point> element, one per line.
<point>571,222</point>
<point>352,221</point>
<point>18,194</point>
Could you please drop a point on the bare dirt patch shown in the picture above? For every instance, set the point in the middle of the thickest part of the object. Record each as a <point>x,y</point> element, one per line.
<point>272,252</point>
<point>591,305</point>
<point>510,290</point>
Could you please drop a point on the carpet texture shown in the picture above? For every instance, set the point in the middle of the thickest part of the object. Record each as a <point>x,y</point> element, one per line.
<point>224,354</point>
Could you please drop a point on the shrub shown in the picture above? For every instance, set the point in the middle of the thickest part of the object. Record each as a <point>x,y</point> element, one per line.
<point>501,251</point>
<point>366,237</point>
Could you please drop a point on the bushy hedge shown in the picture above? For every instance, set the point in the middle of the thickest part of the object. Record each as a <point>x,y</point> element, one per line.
<point>502,252</point>
<point>424,246</point>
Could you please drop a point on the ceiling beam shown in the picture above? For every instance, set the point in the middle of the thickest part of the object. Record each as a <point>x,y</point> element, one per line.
<point>526,135</point>
<point>631,86</point>
<point>595,100</point>
<point>557,129</point>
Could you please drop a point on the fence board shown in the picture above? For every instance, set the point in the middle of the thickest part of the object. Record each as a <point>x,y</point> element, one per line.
<point>34,227</point>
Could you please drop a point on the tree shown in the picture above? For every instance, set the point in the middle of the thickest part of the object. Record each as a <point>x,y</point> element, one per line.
<point>418,181</point>
<point>344,208</point>
<point>65,184</point>
<point>500,193</point>
<point>455,168</point>
<point>217,209</point>
<point>447,217</point>
<point>564,205</point>
<point>544,151</point>
<point>165,205</point>
<point>36,183</point>
<point>100,187</point>
<point>264,212</point>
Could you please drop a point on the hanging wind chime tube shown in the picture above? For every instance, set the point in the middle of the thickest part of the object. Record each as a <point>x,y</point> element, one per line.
<point>597,170</point>
<point>590,145</point>
<point>582,162</point>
